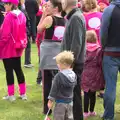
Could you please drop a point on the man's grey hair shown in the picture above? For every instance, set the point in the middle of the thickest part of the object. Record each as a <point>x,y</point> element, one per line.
<point>72,2</point>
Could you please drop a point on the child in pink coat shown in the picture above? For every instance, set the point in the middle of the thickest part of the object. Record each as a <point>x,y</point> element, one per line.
<point>13,40</point>
<point>92,76</point>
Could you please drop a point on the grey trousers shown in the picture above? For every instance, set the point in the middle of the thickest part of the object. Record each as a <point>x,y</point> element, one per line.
<point>63,111</point>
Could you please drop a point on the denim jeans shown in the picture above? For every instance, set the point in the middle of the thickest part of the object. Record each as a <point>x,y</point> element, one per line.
<point>111,66</point>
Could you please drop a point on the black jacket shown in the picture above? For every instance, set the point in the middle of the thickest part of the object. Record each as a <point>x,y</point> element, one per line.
<point>1,15</point>
<point>31,7</point>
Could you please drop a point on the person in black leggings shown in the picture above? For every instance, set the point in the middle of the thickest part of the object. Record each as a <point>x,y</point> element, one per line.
<point>11,48</point>
<point>51,21</point>
<point>14,64</point>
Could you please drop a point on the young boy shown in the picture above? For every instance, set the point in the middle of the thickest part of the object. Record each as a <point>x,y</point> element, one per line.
<point>62,87</point>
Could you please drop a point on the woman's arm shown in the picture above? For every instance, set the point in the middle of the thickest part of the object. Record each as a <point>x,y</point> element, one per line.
<point>44,23</point>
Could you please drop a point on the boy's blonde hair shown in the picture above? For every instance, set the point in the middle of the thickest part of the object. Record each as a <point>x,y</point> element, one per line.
<point>65,58</point>
<point>91,36</point>
<point>89,4</point>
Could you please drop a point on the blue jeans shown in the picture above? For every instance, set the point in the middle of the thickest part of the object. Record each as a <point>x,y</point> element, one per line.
<point>111,66</point>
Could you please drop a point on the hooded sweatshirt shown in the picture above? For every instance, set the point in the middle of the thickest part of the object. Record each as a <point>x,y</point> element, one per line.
<point>9,34</point>
<point>110,28</point>
<point>62,86</point>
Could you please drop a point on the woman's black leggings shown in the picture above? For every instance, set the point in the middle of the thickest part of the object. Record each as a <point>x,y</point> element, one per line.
<point>10,65</point>
<point>89,99</point>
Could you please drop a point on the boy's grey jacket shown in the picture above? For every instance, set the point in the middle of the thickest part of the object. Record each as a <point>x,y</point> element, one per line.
<point>63,85</point>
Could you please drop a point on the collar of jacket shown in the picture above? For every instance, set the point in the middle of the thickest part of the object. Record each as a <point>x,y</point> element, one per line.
<point>72,12</point>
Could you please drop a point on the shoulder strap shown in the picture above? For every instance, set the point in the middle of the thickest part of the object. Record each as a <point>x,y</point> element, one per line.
<point>54,20</point>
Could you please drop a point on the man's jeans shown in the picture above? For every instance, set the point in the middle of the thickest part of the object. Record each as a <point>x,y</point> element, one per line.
<point>111,66</point>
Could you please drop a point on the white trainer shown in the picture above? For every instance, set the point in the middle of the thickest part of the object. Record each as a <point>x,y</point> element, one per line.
<point>10,98</point>
<point>28,65</point>
<point>23,97</point>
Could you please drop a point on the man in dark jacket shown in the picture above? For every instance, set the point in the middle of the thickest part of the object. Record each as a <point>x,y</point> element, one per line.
<point>110,40</point>
<point>74,40</point>
<point>1,14</point>
<point>32,8</point>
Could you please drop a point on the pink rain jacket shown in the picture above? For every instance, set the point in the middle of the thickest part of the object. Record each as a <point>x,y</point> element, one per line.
<point>92,76</point>
<point>9,34</point>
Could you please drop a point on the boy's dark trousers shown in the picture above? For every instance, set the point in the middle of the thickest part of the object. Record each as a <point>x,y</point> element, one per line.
<point>77,99</point>
<point>28,52</point>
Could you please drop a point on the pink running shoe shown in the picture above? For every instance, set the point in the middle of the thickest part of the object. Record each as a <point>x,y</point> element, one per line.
<point>86,114</point>
<point>48,118</point>
<point>92,113</point>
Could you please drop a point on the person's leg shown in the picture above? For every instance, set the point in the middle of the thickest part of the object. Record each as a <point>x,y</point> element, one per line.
<point>101,93</point>
<point>86,102</point>
<point>33,28</point>
<point>47,82</point>
<point>69,112</point>
<point>28,54</point>
<point>92,103</point>
<point>39,77</point>
<point>9,75</point>
<point>110,69</point>
<point>20,75</point>
<point>77,100</point>
<point>59,111</point>
<point>38,20</point>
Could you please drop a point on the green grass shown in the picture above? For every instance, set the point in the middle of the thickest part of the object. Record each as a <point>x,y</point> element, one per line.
<point>32,109</point>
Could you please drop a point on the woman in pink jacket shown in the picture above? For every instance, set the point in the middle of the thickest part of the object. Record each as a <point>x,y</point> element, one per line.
<point>13,40</point>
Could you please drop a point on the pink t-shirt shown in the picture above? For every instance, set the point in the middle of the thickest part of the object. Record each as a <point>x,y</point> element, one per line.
<point>93,22</point>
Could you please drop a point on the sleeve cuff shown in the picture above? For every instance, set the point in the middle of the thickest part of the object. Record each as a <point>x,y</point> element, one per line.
<point>51,98</point>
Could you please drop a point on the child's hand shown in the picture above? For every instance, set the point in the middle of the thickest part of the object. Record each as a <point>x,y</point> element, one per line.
<point>50,104</point>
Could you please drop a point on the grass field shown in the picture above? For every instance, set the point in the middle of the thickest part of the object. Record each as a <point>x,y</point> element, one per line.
<point>32,108</point>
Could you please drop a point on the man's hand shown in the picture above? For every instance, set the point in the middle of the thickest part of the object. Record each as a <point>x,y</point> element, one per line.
<point>50,104</point>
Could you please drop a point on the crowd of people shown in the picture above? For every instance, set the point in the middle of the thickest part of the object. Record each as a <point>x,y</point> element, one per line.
<point>78,49</point>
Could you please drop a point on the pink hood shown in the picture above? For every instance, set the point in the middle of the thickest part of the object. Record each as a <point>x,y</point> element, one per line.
<point>8,34</point>
<point>92,46</point>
